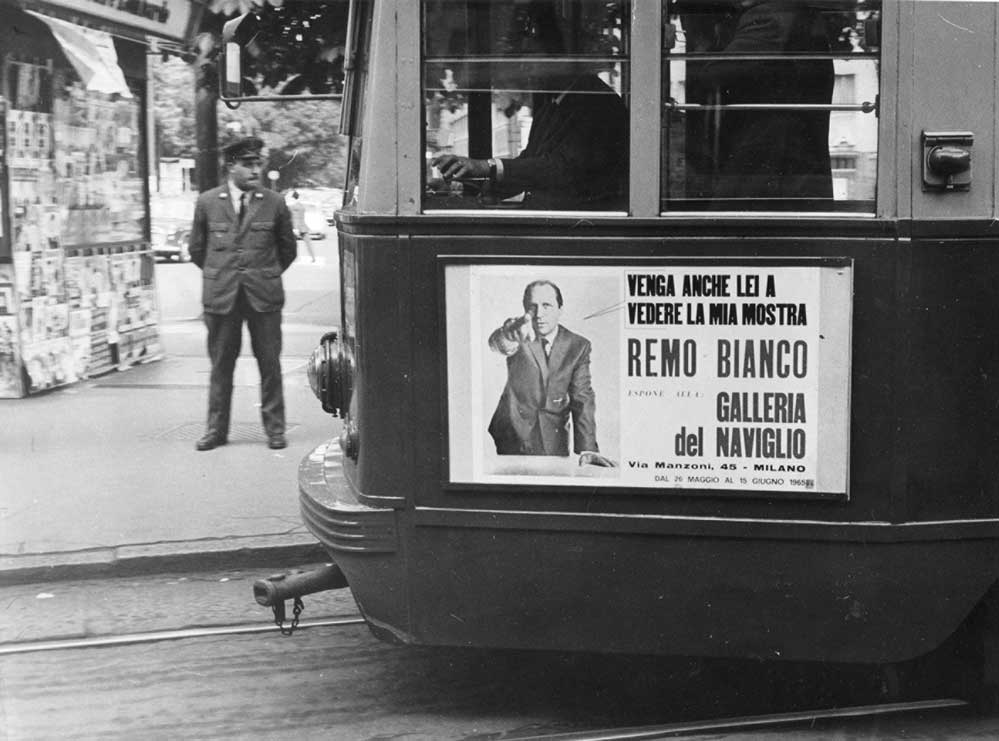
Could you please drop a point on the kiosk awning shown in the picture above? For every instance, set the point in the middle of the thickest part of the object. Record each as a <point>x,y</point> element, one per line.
<point>91,53</point>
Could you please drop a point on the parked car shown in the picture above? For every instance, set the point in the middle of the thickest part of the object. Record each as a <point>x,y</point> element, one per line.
<point>170,243</point>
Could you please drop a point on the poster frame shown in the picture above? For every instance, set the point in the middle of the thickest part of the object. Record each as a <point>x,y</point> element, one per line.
<point>515,487</point>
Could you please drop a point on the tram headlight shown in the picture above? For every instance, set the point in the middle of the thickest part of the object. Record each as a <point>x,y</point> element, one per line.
<point>329,374</point>
<point>315,368</point>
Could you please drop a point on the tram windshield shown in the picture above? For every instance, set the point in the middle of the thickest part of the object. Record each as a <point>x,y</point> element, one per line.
<point>526,104</point>
<point>767,105</point>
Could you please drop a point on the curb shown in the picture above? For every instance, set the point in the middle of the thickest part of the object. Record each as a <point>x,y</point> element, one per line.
<point>164,557</point>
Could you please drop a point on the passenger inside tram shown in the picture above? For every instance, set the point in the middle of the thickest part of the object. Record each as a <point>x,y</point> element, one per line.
<point>751,152</point>
<point>576,157</point>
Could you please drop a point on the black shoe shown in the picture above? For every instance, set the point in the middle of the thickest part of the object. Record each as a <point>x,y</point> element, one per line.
<point>210,440</point>
<point>276,442</point>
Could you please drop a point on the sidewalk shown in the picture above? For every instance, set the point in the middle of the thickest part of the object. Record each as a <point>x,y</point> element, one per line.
<point>102,477</point>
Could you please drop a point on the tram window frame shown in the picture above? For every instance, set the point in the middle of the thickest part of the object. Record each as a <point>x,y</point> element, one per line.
<point>284,53</point>
<point>719,176</point>
<point>353,124</point>
<point>465,49</point>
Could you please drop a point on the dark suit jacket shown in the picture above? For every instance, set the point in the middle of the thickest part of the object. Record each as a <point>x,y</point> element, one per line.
<point>252,255</point>
<point>540,396</point>
<point>577,152</point>
<point>769,154</point>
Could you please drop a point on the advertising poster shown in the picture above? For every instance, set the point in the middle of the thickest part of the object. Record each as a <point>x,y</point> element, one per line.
<point>10,362</point>
<point>6,298</point>
<point>95,282</point>
<point>100,184</point>
<point>51,262</point>
<point>79,339</point>
<point>49,363</point>
<point>39,316</point>
<point>75,280</point>
<point>138,345</point>
<point>100,357</point>
<point>22,272</point>
<point>696,375</point>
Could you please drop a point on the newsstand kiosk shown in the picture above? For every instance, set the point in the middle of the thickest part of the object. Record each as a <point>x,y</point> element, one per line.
<point>77,282</point>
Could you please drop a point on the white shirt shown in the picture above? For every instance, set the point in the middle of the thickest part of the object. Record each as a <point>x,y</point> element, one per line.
<point>235,193</point>
<point>550,338</point>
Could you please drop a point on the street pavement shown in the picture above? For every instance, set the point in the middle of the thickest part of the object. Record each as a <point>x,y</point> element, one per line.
<point>102,478</point>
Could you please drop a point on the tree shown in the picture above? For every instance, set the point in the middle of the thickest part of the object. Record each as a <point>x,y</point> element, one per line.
<point>301,139</point>
<point>173,108</point>
<point>294,48</point>
<point>206,51</point>
<point>301,136</point>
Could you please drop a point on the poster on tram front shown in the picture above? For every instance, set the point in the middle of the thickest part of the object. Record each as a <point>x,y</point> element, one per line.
<point>707,375</point>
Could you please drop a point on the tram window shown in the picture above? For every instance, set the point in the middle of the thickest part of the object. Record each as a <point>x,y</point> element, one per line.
<point>526,104</point>
<point>770,105</point>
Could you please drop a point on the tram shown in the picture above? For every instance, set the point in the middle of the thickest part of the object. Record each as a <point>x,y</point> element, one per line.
<point>761,238</point>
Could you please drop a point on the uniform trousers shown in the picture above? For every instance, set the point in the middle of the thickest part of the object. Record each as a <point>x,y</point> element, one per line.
<point>225,336</point>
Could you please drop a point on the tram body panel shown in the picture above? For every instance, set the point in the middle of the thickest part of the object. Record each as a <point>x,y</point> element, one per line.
<point>383,358</point>
<point>869,498</point>
<point>882,571</point>
<point>727,595</point>
<point>954,54</point>
<point>471,560</point>
<point>700,586</point>
<point>949,416</point>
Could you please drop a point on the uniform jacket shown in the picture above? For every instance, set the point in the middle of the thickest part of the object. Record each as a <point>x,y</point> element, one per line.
<point>540,397</point>
<point>251,255</point>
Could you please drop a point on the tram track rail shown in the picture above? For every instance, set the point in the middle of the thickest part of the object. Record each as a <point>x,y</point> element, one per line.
<point>635,733</point>
<point>157,636</point>
<point>751,722</point>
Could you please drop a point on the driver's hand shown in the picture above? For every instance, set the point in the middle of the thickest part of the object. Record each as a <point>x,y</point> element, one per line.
<point>453,167</point>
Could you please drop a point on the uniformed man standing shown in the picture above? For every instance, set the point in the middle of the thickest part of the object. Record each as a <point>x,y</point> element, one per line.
<point>242,240</point>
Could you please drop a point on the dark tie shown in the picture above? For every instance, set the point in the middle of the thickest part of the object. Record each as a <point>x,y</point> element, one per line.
<point>242,208</point>
<point>546,346</point>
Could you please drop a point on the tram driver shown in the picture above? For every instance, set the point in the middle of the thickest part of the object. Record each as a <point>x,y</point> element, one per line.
<point>548,382</point>
<point>576,156</point>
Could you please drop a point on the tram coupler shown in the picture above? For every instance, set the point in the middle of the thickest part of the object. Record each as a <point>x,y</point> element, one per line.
<point>295,584</point>
<point>275,590</point>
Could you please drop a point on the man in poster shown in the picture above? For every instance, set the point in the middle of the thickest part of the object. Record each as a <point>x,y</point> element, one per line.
<point>548,381</point>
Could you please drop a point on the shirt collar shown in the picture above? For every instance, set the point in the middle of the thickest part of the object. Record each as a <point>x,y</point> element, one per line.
<point>234,192</point>
<point>550,337</point>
